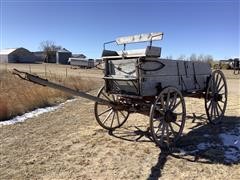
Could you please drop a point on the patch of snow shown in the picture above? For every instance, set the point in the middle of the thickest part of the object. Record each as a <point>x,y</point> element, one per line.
<point>230,140</point>
<point>33,114</point>
<point>203,146</point>
<point>206,135</point>
<point>232,144</point>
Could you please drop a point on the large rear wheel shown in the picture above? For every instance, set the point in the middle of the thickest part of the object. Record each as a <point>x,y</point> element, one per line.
<point>216,97</point>
<point>167,117</point>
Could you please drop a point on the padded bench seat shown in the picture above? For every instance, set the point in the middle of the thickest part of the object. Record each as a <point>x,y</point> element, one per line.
<point>150,51</point>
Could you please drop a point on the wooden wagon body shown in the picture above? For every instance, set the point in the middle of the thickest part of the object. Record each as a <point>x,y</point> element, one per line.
<point>147,76</point>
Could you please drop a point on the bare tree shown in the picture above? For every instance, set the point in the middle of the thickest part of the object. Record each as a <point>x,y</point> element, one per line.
<point>200,57</point>
<point>182,57</point>
<point>168,57</point>
<point>193,57</point>
<point>208,58</point>
<point>49,48</point>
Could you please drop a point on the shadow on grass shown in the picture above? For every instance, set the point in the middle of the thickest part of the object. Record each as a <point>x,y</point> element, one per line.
<point>204,143</point>
<point>132,133</point>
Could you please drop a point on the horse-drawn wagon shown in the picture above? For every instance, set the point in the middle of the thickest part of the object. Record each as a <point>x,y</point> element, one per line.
<point>139,81</point>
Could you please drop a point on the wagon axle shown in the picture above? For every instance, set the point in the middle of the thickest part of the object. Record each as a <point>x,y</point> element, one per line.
<point>170,116</point>
<point>217,97</point>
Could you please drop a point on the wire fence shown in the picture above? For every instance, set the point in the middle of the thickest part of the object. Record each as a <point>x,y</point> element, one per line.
<point>48,70</point>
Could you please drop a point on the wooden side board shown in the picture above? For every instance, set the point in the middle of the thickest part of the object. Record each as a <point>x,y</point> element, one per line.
<point>185,75</point>
<point>153,74</point>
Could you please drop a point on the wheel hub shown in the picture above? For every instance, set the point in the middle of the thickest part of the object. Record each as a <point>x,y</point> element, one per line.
<point>170,116</point>
<point>217,97</point>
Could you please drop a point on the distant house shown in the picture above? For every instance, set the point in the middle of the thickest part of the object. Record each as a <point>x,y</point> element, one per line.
<point>40,56</point>
<point>82,56</point>
<point>17,55</point>
<point>62,56</point>
<point>81,62</point>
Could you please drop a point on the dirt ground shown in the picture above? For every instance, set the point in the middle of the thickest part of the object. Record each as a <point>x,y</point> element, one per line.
<point>69,144</point>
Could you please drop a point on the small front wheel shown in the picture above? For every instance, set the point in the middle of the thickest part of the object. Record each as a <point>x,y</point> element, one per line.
<point>167,117</point>
<point>108,117</point>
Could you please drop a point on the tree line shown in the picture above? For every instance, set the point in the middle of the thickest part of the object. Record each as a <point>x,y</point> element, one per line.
<point>194,57</point>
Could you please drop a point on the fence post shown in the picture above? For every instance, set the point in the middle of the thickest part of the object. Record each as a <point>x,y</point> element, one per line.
<point>30,69</point>
<point>66,72</point>
<point>45,69</point>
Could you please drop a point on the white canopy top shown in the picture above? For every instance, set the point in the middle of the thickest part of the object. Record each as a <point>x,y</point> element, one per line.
<point>140,38</point>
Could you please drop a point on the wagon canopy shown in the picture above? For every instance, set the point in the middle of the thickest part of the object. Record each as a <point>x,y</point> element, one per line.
<point>140,38</point>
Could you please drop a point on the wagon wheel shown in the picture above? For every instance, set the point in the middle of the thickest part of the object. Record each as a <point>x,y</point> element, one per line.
<point>108,117</point>
<point>216,97</point>
<point>167,117</point>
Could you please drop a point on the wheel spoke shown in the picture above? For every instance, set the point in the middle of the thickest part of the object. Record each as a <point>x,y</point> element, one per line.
<point>113,119</point>
<point>171,128</point>
<point>159,127</point>
<point>113,98</point>
<point>210,104</point>
<point>222,101</point>
<point>117,117</point>
<point>220,108</point>
<point>217,110</point>
<point>219,83</point>
<point>107,116</point>
<point>167,101</point>
<point>178,114</point>
<point>173,102</point>
<point>214,85</point>
<point>212,110</point>
<point>176,105</point>
<point>217,79</point>
<point>122,114</point>
<point>167,130</point>
<point>221,87</point>
<point>106,96</point>
<point>159,119</point>
<point>162,135</point>
<point>162,102</point>
<point>105,111</point>
<point>177,124</point>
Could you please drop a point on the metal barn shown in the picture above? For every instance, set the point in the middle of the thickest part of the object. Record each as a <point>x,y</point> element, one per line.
<point>16,55</point>
<point>62,56</point>
<point>81,62</point>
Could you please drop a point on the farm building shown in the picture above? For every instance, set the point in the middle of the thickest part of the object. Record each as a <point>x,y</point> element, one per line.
<point>79,56</point>
<point>40,56</point>
<point>17,55</point>
<point>81,62</point>
<point>62,56</point>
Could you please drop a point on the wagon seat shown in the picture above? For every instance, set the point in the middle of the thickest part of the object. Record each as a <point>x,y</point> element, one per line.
<point>149,51</point>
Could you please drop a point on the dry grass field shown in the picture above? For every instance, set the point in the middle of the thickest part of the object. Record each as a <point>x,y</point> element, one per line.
<point>69,144</point>
<point>18,96</point>
<point>46,70</point>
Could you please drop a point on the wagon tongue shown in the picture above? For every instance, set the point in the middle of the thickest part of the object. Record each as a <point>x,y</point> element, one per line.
<point>45,82</point>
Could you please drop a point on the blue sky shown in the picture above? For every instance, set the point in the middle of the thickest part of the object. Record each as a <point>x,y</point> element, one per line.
<point>201,27</point>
